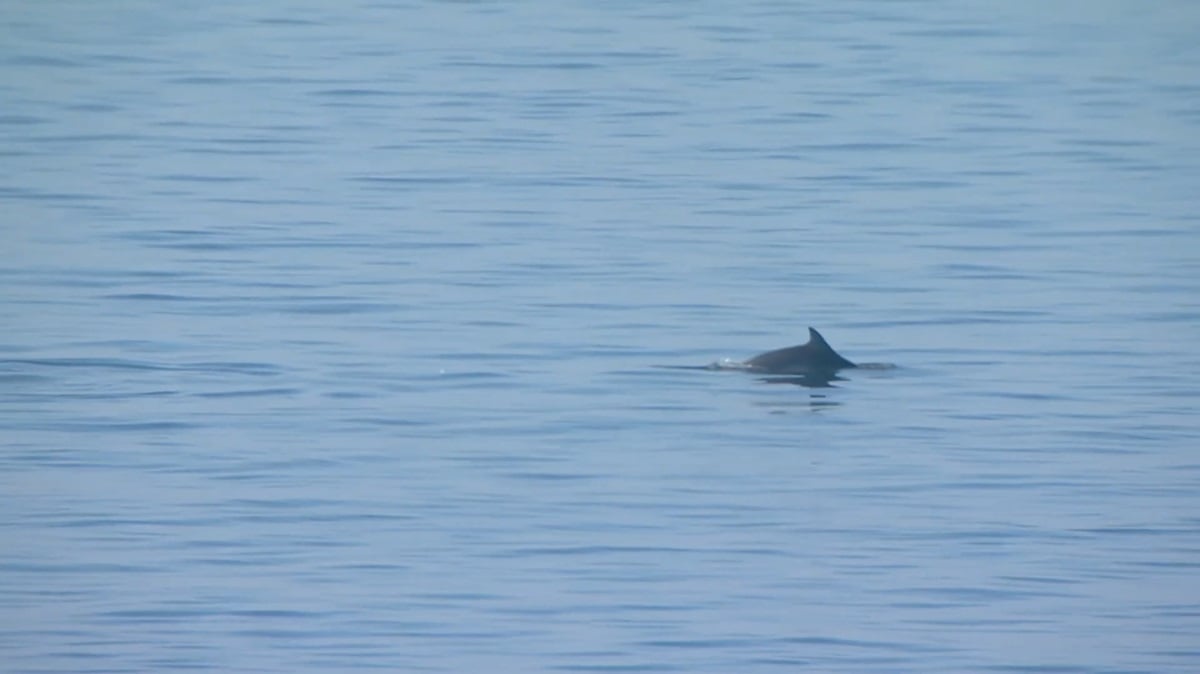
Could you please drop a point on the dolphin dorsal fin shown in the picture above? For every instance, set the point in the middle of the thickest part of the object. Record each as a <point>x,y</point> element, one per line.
<point>818,344</point>
<point>817,340</point>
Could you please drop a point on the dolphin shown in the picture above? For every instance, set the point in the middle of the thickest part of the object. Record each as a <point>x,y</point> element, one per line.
<point>814,364</point>
<point>816,358</point>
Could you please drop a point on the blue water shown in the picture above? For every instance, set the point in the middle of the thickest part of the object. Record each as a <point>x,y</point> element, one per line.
<point>328,334</point>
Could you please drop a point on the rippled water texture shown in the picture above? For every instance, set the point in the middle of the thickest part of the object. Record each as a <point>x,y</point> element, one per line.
<point>330,333</point>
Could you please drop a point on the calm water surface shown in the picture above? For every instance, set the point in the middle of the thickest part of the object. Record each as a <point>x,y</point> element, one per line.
<point>329,333</point>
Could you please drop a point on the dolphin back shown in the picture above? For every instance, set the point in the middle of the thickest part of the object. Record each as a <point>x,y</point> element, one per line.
<point>817,356</point>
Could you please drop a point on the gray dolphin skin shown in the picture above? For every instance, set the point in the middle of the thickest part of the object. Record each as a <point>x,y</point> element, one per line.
<point>812,365</point>
<point>814,358</point>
